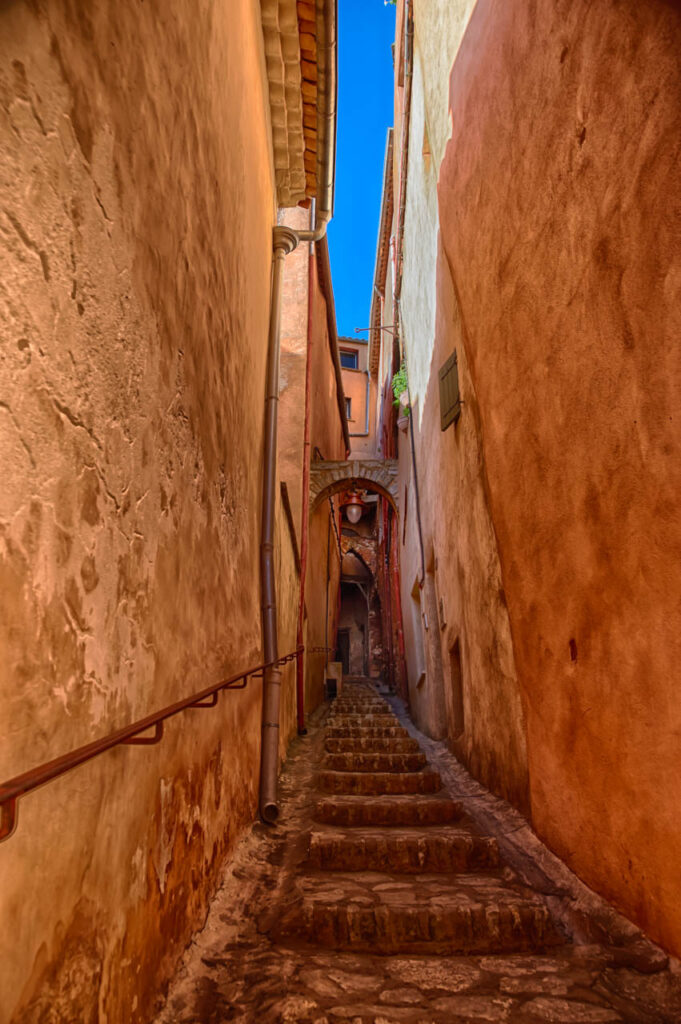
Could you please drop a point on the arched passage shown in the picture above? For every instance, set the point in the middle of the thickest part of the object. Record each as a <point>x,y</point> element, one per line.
<point>376,542</point>
<point>328,478</point>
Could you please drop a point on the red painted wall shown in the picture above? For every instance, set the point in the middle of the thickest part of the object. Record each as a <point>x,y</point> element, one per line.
<point>560,206</point>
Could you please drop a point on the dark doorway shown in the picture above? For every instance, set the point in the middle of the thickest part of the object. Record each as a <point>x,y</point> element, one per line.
<point>456,680</point>
<point>344,649</point>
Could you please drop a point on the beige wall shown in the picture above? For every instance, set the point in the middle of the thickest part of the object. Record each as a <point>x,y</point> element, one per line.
<point>135,252</point>
<point>439,26</point>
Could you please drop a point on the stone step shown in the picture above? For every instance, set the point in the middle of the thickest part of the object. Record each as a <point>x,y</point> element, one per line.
<point>379,782</point>
<point>433,914</point>
<point>370,745</point>
<point>366,732</point>
<point>359,698</point>
<point>366,721</point>
<point>403,852</point>
<point>360,709</point>
<point>387,810</point>
<point>374,762</point>
<point>352,698</point>
<point>360,712</point>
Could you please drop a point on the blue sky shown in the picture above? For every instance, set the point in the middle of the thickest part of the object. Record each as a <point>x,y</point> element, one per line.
<point>365,111</point>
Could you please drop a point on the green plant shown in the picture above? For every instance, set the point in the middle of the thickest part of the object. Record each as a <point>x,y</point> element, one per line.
<point>399,385</point>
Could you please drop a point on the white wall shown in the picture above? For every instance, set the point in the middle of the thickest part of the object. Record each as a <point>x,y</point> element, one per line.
<point>439,26</point>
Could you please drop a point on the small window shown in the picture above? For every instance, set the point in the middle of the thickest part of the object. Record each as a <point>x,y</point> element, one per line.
<point>450,400</point>
<point>348,359</point>
<point>348,408</point>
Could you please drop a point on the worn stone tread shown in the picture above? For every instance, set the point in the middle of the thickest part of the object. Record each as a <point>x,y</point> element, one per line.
<point>392,810</point>
<point>384,720</point>
<point>398,850</point>
<point>363,761</point>
<point>430,913</point>
<point>366,732</point>
<point>420,782</point>
<point>370,745</point>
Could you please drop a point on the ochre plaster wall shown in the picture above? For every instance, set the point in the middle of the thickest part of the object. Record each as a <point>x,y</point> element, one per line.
<point>560,198</point>
<point>355,388</point>
<point>135,249</point>
<point>326,431</point>
<point>361,390</point>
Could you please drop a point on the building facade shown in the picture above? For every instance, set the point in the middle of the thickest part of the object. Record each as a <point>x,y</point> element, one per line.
<point>529,255</point>
<point>144,153</point>
<point>359,388</point>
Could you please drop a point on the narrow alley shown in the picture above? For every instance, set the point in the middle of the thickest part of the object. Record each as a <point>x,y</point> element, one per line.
<point>340,516</point>
<point>386,896</point>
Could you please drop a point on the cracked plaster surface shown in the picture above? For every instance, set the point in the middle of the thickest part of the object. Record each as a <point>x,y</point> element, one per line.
<point>132,353</point>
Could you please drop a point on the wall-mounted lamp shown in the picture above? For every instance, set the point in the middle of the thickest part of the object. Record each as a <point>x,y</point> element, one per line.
<point>354,507</point>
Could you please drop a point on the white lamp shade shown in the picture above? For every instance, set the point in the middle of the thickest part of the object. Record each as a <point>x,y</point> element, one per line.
<point>353,512</point>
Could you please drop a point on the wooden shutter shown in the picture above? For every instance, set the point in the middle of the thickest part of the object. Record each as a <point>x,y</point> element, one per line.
<point>450,400</point>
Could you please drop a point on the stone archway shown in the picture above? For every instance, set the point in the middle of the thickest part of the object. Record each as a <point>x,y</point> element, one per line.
<point>327,478</point>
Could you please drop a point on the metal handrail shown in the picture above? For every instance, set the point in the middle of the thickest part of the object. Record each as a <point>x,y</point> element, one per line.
<point>12,789</point>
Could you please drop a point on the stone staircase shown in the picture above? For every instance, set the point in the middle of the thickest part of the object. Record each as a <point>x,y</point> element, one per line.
<point>392,865</point>
<point>377,906</point>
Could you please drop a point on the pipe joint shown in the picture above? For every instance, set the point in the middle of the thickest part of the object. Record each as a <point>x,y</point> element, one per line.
<point>323,218</point>
<point>284,239</point>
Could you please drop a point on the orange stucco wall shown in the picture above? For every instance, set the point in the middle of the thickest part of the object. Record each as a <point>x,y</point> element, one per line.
<point>326,431</point>
<point>360,388</point>
<point>135,261</point>
<point>560,204</point>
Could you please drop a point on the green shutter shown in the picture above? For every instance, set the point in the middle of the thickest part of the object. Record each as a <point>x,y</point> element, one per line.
<point>450,400</point>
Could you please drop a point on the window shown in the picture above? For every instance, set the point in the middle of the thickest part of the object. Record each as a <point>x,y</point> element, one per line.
<point>348,408</point>
<point>348,359</point>
<point>450,400</point>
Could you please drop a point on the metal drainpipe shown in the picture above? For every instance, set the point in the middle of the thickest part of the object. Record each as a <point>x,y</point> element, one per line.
<point>284,242</point>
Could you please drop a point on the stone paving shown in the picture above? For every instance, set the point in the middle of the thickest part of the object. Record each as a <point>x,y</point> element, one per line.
<point>397,890</point>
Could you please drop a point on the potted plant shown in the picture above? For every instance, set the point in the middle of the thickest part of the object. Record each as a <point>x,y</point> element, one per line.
<point>401,393</point>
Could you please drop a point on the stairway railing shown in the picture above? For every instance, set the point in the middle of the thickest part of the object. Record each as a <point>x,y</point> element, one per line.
<point>20,785</point>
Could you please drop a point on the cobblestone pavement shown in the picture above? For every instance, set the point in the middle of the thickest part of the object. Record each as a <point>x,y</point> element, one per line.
<point>396,889</point>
